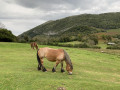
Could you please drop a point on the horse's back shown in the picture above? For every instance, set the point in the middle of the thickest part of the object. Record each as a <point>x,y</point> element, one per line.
<point>55,54</point>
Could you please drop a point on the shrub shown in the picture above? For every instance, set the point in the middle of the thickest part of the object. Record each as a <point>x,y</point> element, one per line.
<point>81,45</point>
<point>114,47</point>
<point>64,39</point>
<point>66,45</point>
<point>94,38</point>
<point>95,47</point>
<point>22,41</point>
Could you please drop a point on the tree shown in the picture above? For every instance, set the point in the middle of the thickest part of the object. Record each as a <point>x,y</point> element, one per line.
<point>94,38</point>
<point>109,38</point>
<point>64,39</point>
<point>79,37</point>
<point>103,37</point>
<point>26,38</point>
<point>7,36</point>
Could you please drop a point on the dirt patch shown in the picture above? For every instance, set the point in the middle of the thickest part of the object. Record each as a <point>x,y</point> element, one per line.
<point>61,88</point>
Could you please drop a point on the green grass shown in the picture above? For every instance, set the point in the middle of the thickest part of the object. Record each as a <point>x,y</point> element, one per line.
<point>92,70</point>
<point>102,45</point>
<point>73,42</point>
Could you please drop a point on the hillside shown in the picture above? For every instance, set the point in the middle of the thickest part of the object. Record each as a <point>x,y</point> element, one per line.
<point>85,23</point>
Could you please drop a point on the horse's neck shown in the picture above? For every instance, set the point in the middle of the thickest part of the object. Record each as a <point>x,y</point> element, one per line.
<point>36,47</point>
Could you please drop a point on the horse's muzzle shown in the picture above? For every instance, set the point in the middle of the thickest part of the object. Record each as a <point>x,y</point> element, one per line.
<point>70,73</point>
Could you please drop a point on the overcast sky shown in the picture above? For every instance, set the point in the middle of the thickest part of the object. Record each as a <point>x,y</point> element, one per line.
<point>22,15</point>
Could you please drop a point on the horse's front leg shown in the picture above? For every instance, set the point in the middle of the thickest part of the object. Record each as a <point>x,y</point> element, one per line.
<point>54,68</point>
<point>39,67</point>
<point>62,69</point>
<point>43,68</point>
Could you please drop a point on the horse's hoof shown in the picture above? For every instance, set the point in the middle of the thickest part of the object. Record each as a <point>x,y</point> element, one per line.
<point>53,70</point>
<point>39,69</point>
<point>44,70</point>
<point>62,70</point>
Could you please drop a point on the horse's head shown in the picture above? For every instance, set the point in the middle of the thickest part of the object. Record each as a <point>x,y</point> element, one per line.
<point>69,68</point>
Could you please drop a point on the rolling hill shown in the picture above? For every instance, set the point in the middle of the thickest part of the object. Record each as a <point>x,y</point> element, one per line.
<point>73,25</point>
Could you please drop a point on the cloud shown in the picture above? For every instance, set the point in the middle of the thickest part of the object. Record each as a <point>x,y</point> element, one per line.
<point>22,15</point>
<point>20,26</point>
<point>43,4</point>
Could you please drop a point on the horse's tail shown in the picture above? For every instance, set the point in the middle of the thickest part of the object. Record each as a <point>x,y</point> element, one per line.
<point>38,58</point>
<point>67,59</point>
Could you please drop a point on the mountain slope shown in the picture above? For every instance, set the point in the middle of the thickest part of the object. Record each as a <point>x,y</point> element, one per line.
<point>76,24</point>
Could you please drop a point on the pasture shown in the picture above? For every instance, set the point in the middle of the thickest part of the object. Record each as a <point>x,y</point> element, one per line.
<point>92,70</point>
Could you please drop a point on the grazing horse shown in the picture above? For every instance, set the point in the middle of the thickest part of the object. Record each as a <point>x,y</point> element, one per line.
<point>34,44</point>
<point>54,55</point>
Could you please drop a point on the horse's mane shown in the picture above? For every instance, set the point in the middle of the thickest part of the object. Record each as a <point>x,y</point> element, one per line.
<point>67,59</point>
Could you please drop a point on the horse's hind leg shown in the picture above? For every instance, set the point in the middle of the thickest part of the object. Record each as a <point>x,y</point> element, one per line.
<point>54,68</point>
<point>43,68</point>
<point>62,70</point>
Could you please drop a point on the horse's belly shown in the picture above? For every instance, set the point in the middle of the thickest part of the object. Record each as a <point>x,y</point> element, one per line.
<point>53,55</point>
<point>51,59</point>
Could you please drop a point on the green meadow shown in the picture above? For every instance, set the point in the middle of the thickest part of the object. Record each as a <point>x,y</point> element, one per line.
<point>92,70</point>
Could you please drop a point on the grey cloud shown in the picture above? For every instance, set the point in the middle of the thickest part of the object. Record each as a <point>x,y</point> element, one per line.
<point>49,5</point>
<point>41,4</point>
<point>22,15</point>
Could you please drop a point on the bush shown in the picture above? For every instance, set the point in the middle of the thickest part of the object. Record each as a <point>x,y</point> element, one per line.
<point>95,47</point>
<point>81,45</point>
<point>114,47</point>
<point>53,43</point>
<point>22,41</point>
<point>66,45</point>
<point>94,38</point>
<point>64,39</point>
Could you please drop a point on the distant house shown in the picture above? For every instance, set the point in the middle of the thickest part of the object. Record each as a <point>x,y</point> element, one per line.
<point>110,43</point>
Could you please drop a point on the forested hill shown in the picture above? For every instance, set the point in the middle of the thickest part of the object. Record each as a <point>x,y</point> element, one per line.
<point>85,23</point>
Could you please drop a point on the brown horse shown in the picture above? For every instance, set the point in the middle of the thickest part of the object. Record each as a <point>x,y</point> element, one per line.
<point>54,55</point>
<point>34,44</point>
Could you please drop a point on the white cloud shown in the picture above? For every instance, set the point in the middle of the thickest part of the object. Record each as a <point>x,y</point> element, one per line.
<point>20,26</point>
<point>22,15</point>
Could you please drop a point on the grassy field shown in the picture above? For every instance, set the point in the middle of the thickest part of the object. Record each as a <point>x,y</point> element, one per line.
<point>92,70</point>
